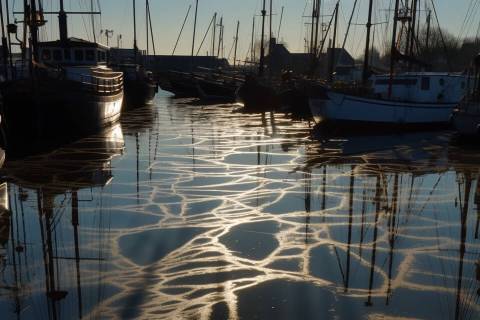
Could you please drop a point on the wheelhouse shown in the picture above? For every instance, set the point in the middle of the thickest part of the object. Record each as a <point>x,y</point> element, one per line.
<point>421,87</point>
<point>75,52</point>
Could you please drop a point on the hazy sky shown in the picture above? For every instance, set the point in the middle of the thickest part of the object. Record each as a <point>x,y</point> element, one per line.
<point>168,15</point>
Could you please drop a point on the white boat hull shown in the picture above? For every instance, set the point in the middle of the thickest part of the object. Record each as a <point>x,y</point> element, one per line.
<point>345,108</point>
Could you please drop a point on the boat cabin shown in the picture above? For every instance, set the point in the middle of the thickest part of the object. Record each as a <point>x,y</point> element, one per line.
<point>421,87</point>
<point>75,52</point>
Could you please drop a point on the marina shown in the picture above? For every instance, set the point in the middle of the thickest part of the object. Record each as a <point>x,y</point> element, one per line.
<point>237,177</point>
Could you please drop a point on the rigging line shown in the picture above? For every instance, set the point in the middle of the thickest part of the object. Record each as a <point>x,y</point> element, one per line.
<point>441,36</point>
<point>467,18</point>
<point>181,30</point>
<point>349,25</point>
<point>205,36</point>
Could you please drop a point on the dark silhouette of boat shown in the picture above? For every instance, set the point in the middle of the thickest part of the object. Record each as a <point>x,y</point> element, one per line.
<point>65,87</point>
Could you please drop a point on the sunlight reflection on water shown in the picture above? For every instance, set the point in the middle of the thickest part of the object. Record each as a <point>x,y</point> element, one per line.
<point>202,212</point>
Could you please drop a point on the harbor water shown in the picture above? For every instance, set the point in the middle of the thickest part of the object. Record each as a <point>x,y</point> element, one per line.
<point>191,211</point>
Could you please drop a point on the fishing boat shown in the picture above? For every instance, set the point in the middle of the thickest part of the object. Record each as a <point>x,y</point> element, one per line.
<point>413,99</point>
<point>258,93</point>
<point>396,100</point>
<point>68,86</point>
<point>140,87</point>
<point>139,84</point>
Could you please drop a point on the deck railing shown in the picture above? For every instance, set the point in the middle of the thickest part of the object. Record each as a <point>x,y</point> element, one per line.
<point>106,83</point>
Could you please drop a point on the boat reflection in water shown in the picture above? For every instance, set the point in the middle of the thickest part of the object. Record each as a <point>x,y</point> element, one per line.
<point>216,214</point>
<point>53,250</point>
<point>402,216</point>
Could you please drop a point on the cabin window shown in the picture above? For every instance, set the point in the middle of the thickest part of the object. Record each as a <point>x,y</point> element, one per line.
<point>425,83</point>
<point>57,55</point>
<point>67,55</point>
<point>101,55</point>
<point>46,55</point>
<point>90,55</point>
<point>79,55</point>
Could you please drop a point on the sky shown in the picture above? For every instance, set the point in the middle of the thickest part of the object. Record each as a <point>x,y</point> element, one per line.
<point>168,15</point>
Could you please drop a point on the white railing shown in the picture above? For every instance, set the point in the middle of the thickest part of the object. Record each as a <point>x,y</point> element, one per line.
<point>107,83</point>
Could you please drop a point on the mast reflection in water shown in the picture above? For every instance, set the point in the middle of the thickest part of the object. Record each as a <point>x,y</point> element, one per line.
<point>187,211</point>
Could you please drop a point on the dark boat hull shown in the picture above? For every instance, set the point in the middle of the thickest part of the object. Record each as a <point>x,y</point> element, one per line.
<point>212,90</point>
<point>139,93</point>
<point>181,85</point>
<point>257,96</point>
<point>56,109</point>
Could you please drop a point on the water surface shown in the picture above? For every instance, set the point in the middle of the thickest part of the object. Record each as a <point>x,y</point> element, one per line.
<point>185,211</point>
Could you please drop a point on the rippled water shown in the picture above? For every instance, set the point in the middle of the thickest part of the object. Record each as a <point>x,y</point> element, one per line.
<point>185,211</point>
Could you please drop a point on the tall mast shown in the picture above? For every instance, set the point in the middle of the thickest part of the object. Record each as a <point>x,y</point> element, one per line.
<point>393,51</point>
<point>280,23</point>
<point>236,46</point>
<point>252,53</point>
<point>214,33</point>
<point>317,24</point>
<point>34,30</point>
<point>194,26</point>
<point>151,28</point>
<point>262,43</point>
<point>135,48</point>
<point>7,14</point>
<point>62,21</point>
<point>334,44</point>
<point>271,32</point>
<point>429,19</point>
<point>413,30</point>
<point>366,61</point>
<point>93,22</point>
<point>220,37</point>
<point>4,43</point>
<point>147,25</point>
<point>312,31</point>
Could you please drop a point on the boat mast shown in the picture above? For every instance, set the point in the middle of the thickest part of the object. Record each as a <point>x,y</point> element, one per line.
<point>194,32</point>
<point>366,61</point>
<point>135,48</point>
<point>151,28</point>
<point>146,24</point>
<point>393,51</point>
<point>427,40</point>
<point>93,22</point>
<point>317,24</point>
<point>271,33</point>
<point>252,53</point>
<point>413,30</point>
<point>262,43</point>
<point>34,30</point>
<point>4,43</point>
<point>312,31</point>
<point>214,35</point>
<point>62,21</point>
<point>332,49</point>
<point>236,46</point>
